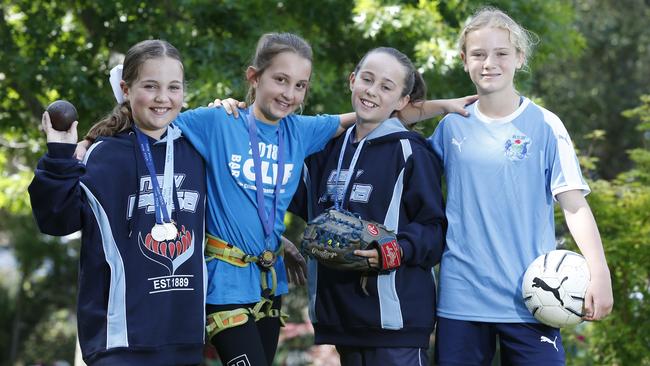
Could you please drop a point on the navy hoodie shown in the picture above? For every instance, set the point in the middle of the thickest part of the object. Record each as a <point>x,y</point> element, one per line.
<point>140,302</point>
<point>396,182</point>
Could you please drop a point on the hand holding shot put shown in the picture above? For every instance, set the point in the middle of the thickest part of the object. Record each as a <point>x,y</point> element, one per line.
<point>54,135</point>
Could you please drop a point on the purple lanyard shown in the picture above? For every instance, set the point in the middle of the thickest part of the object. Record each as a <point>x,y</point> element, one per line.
<point>162,216</point>
<point>267,220</point>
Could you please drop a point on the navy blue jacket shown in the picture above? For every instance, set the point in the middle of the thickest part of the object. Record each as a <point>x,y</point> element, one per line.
<point>396,182</point>
<point>140,301</point>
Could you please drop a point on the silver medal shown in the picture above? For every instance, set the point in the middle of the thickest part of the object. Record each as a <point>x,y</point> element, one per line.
<point>159,232</point>
<point>170,230</point>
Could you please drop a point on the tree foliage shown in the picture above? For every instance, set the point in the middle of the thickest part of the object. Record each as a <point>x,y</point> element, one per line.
<point>622,209</point>
<point>64,49</point>
<point>591,91</point>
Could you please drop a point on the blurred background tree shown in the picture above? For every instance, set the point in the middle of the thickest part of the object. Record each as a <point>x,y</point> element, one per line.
<point>592,91</point>
<point>622,208</point>
<point>590,65</point>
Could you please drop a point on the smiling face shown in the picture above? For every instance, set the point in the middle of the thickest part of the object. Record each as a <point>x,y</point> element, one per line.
<point>281,88</point>
<point>377,87</point>
<point>491,60</point>
<point>156,96</point>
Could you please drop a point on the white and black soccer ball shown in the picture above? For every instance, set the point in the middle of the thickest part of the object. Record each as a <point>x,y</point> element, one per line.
<point>554,288</point>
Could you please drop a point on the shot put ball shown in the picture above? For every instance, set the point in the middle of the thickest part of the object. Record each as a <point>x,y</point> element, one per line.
<point>62,114</point>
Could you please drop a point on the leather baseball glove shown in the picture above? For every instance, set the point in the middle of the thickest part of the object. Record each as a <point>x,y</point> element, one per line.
<point>333,236</point>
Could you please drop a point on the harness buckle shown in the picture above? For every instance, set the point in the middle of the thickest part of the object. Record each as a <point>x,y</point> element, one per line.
<point>266,259</point>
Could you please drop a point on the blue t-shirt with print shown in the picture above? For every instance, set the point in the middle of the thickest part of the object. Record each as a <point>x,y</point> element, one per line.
<point>232,215</point>
<point>502,177</point>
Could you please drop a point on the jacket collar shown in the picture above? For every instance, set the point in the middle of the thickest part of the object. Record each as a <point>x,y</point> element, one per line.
<point>389,126</point>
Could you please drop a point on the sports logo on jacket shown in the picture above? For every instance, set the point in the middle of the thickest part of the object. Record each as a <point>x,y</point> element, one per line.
<point>359,193</point>
<point>187,199</point>
<point>170,254</point>
<point>517,147</point>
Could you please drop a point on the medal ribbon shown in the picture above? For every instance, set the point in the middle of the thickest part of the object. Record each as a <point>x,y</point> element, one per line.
<point>163,210</point>
<point>338,199</point>
<point>267,220</point>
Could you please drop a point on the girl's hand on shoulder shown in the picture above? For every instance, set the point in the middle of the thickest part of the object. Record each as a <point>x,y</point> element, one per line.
<point>230,105</point>
<point>457,105</point>
<point>81,149</point>
<point>67,137</point>
<point>598,299</point>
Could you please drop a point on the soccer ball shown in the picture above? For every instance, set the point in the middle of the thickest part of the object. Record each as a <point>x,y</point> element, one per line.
<point>554,288</point>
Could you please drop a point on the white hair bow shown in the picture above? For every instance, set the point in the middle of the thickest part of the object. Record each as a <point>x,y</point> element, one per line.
<point>114,79</point>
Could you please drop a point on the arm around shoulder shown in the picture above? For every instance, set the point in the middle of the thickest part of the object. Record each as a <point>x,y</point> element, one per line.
<point>416,112</point>
<point>346,121</point>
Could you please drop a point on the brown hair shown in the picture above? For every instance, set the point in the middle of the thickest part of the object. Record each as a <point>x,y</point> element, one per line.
<point>271,45</point>
<point>414,85</point>
<point>120,118</point>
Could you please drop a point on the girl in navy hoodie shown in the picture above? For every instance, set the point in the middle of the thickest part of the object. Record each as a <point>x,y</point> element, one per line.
<point>383,318</point>
<point>139,200</point>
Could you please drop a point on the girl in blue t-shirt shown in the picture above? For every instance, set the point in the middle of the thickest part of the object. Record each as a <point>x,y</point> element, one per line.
<point>381,318</point>
<point>505,165</point>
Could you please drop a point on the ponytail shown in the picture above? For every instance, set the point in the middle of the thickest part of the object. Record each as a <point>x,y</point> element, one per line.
<point>118,120</point>
<point>417,95</point>
<point>419,91</point>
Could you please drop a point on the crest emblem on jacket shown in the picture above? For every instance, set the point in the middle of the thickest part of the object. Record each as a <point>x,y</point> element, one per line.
<point>170,255</point>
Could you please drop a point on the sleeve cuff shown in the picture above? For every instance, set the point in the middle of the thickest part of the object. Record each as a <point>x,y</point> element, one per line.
<point>407,249</point>
<point>583,188</point>
<point>60,150</point>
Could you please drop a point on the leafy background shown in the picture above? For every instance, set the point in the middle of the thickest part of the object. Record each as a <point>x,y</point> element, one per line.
<point>590,67</point>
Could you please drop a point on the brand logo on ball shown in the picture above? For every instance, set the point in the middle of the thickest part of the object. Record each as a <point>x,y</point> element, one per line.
<point>538,282</point>
<point>372,229</point>
<point>554,287</point>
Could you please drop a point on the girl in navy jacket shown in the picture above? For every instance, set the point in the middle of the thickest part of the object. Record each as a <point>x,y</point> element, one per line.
<point>142,275</point>
<point>385,318</point>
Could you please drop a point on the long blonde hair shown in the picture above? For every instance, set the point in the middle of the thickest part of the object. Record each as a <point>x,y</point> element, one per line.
<point>522,39</point>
